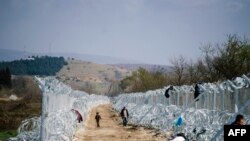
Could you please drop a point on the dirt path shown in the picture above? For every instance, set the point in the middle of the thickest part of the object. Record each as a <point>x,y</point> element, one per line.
<point>112,130</point>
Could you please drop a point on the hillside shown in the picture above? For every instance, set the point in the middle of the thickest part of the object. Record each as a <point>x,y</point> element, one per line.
<point>148,67</point>
<point>92,77</point>
<point>44,65</point>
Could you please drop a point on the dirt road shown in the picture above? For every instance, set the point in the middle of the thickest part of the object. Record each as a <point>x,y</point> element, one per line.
<point>111,128</point>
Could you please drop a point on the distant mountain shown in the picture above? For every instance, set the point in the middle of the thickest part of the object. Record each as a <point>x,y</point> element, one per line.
<point>10,55</point>
<point>95,58</point>
<point>149,67</point>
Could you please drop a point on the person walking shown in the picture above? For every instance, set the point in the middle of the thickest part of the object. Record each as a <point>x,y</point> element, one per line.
<point>124,114</point>
<point>97,118</point>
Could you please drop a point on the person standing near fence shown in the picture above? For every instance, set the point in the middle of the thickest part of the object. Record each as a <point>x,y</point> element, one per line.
<point>167,95</point>
<point>197,91</point>
<point>124,114</point>
<point>79,116</point>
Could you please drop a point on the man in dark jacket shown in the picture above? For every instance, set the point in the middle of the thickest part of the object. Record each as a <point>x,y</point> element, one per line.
<point>239,120</point>
<point>97,118</point>
<point>167,91</point>
<point>124,114</point>
<point>196,91</point>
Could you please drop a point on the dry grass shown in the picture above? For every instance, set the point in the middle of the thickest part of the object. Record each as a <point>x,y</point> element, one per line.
<point>28,103</point>
<point>91,77</point>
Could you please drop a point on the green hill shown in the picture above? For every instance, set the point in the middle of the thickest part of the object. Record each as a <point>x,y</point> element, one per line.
<point>44,65</point>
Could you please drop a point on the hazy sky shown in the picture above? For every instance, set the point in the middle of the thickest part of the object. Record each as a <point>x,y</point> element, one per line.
<point>152,31</point>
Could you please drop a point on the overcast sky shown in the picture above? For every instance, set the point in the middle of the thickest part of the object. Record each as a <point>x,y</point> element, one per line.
<point>151,31</point>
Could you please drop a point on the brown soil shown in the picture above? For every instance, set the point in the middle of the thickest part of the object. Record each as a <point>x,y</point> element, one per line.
<point>111,128</point>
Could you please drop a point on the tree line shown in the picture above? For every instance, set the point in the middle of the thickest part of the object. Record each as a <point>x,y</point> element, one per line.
<point>5,78</point>
<point>143,80</point>
<point>218,62</point>
<point>44,65</point>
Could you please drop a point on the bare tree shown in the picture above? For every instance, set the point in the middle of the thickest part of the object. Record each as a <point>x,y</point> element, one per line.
<point>227,60</point>
<point>191,72</point>
<point>208,53</point>
<point>209,73</point>
<point>233,57</point>
<point>178,68</point>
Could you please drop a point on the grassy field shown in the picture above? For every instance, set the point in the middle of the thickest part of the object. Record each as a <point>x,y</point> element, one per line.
<point>4,135</point>
<point>12,112</point>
